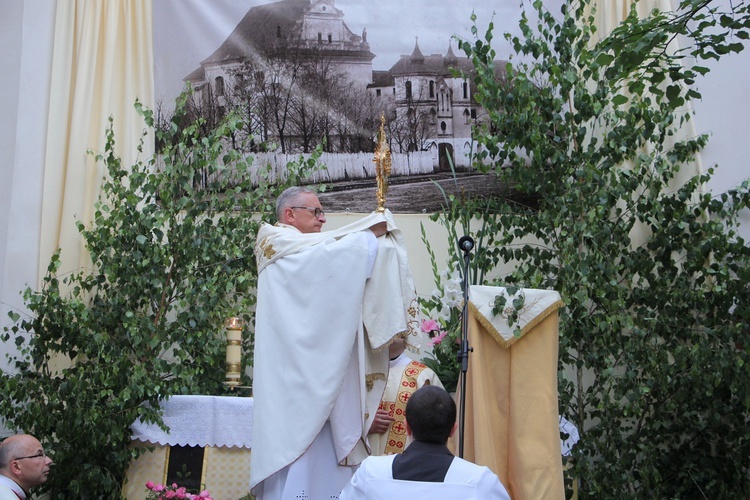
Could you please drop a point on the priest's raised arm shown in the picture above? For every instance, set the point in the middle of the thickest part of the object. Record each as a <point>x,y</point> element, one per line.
<point>329,304</point>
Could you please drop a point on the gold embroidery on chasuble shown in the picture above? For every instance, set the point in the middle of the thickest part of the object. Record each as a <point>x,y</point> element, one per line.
<point>412,314</point>
<point>396,441</point>
<point>264,251</point>
<point>268,250</point>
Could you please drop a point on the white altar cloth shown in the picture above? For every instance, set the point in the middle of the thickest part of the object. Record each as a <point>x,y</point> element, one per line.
<point>201,421</point>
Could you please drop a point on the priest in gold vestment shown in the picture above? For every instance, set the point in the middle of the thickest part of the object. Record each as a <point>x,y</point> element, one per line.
<point>388,431</point>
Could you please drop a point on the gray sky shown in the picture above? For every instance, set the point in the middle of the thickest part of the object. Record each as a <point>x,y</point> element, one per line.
<point>392,26</point>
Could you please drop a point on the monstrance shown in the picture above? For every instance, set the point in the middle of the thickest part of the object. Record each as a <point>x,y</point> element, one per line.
<point>382,161</point>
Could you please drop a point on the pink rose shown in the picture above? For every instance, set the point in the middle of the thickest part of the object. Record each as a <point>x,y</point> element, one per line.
<point>204,494</point>
<point>438,338</point>
<point>169,494</point>
<point>150,485</point>
<point>158,488</point>
<point>430,325</point>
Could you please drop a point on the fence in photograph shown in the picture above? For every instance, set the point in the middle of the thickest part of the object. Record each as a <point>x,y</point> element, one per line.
<point>271,167</point>
<point>344,166</point>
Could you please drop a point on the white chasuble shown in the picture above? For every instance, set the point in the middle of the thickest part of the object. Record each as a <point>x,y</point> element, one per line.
<point>321,334</point>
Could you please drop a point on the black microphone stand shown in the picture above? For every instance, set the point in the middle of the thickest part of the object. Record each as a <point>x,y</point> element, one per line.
<point>466,244</point>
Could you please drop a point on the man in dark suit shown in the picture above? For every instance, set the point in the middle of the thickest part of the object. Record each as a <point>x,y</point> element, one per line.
<point>426,469</point>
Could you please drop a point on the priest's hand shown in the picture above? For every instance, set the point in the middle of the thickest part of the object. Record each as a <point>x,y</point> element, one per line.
<point>381,422</point>
<point>379,229</point>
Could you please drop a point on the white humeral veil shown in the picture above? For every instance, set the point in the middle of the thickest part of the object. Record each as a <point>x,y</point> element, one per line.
<point>321,334</point>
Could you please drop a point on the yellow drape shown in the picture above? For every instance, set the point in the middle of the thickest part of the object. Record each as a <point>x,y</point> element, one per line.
<point>511,421</point>
<point>102,61</point>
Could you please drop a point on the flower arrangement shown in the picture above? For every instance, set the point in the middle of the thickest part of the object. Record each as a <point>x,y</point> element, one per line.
<point>163,492</point>
<point>444,331</point>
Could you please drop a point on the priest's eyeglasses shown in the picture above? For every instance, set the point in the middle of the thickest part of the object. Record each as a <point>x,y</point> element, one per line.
<point>38,455</point>
<point>317,211</point>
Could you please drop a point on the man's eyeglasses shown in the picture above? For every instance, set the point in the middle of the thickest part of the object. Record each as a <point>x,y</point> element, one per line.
<point>38,455</point>
<point>317,211</point>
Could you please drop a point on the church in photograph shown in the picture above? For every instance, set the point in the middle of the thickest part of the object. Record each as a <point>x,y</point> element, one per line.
<point>432,106</point>
<point>302,30</point>
<point>299,59</point>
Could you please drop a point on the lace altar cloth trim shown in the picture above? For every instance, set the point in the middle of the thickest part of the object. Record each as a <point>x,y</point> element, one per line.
<point>201,421</point>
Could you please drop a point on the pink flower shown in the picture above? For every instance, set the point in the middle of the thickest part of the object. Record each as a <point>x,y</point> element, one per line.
<point>430,325</point>
<point>169,494</point>
<point>181,492</point>
<point>204,494</point>
<point>150,485</point>
<point>158,488</point>
<point>438,338</point>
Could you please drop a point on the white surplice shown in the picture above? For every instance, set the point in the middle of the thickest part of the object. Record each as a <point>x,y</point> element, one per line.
<point>463,481</point>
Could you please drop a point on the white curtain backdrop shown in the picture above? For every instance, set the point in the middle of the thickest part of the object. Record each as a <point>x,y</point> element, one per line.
<point>102,61</point>
<point>609,14</point>
<point>25,49</point>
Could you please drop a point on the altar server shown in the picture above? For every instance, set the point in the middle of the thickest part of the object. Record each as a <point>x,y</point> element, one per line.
<point>426,469</point>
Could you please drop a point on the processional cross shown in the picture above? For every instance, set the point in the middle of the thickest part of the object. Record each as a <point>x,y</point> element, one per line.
<point>382,161</point>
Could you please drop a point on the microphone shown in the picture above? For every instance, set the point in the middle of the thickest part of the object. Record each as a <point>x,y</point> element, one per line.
<point>466,243</point>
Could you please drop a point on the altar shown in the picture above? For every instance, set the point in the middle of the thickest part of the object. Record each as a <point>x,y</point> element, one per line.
<point>208,444</point>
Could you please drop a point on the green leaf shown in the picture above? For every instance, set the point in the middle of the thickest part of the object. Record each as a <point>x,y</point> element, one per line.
<point>619,100</point>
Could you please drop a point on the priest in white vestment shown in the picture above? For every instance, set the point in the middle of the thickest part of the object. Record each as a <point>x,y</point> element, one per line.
<point>328,306</point>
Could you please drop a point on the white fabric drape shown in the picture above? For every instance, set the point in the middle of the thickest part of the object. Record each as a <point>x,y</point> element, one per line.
<point>608,15</point>
<point>201,421</point>
<point>26,40</point>
<point>102,61</point>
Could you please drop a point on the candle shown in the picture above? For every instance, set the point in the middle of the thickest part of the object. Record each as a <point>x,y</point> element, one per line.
<point>234,323</point>
<point>234,351</point>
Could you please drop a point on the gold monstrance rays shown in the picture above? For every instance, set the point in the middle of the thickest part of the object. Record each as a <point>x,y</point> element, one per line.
<point>382,161</point>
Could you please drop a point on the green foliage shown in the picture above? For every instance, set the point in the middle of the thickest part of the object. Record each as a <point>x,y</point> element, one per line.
<point>445,304</point>
<point>654,358</point>
<point>443,309</point>
<point>172,250</point>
